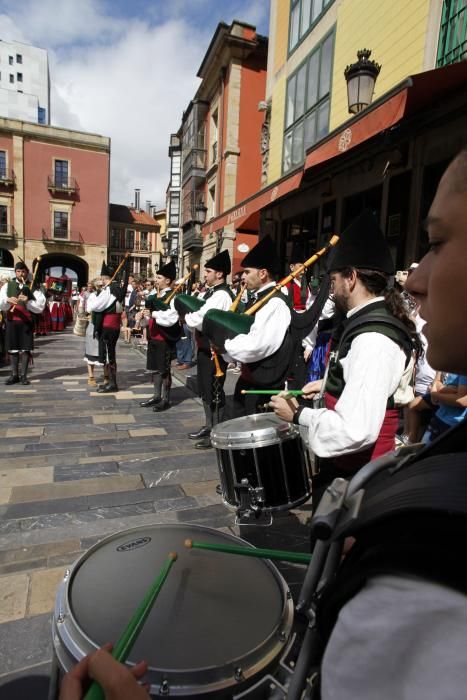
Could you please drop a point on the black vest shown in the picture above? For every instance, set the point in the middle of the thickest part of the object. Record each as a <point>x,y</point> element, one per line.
<point>372,318</point>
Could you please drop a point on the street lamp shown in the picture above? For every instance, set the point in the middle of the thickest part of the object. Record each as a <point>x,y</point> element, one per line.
<point>361,78</point>
<point>201,211</point>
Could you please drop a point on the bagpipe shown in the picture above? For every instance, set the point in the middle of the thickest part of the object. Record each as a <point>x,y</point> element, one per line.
<point>158,304</point>
<point>220,326</point>
<point>27,290</point>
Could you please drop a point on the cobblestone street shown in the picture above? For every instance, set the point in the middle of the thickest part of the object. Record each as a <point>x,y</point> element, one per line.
<point>76,466</point>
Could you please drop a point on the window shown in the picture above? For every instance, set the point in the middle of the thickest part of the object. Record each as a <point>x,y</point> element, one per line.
<point>19,58</point>
<point>61,173</point>
<point>452,45</point>
<point>129,239</point>
<point>174,214</point>
<point>12,78</point>
<point>304,14</point>
<point>19,77</point>
<point>144,240</point>
<point>307,104</point>
<point>2,164</point>
<point>10,60</point>
<point>60,224</point>
<point>211,213</point>
<point>176,163</point>
<point>115,238</point>
<point>41,115</point>
<point>3,218</point>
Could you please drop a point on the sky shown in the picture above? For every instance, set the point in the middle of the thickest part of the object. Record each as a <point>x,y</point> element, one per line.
<point>125,69</point>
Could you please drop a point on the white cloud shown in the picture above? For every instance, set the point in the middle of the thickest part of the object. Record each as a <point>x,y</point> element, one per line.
<point>126,78</point>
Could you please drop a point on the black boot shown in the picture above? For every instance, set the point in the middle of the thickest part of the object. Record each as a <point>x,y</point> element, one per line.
<point>201,433</point>
<point>164,404</point>
<point>25,358</point>
<point>156,399</point>
<point>203,444</point>
<point>111,387</point>
<point>14,362</point>
<point>102,386</point>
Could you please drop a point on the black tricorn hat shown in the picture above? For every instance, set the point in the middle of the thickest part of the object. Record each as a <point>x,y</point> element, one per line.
<point>362,245</point>
<point>297,254</point>
<point>220,263</point>
<point>21,265</point>
<point>263,255</point>
<point>168,270</point>
<point>106,270</point>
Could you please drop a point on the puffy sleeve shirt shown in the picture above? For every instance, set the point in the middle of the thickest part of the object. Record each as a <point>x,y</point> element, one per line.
<point>219,300</point>
<point>100,302</point>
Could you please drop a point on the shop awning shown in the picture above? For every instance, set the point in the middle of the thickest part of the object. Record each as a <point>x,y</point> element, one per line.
<point>409,97</point>
<point>245,216</point>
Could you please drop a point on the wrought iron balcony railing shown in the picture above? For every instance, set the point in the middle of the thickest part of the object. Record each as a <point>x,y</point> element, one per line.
<point>62,235</point>
<point>60,183</point>
<point>192,239</point>
<point>7,231</point>
<point>7,177</point>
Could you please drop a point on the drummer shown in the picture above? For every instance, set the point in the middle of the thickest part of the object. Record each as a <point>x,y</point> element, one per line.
<point>361,392</point>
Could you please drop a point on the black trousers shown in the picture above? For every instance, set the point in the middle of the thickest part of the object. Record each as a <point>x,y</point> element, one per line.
<point>158,357</point>
<point>107,344</point>
<point>19,336</point>
<point>210,387</point>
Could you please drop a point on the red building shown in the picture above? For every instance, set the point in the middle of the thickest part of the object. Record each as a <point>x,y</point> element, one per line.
<point>54,197</point>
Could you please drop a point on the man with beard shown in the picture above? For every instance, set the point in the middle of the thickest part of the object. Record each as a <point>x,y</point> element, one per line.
<point>371,354</point>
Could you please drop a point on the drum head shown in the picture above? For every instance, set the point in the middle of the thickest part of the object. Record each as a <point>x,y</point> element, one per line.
<point>257,430</point>
<point>215,612</point>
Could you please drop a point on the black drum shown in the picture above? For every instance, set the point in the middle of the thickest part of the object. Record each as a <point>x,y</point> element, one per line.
<point>221,621</point>
<point>262,458</point>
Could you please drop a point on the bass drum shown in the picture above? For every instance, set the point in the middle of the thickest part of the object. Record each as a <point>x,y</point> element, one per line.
<point>265,455</point>
<point>221,621</point>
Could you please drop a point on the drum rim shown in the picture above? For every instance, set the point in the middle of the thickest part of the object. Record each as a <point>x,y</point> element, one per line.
<point>239,440</point>
<point>69,639</point>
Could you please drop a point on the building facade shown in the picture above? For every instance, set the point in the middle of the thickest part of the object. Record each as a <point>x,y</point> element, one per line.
<point>221,133</point>
<point>54,199</point>
<point>134,231</point>
<point>323,166</point>
<point>171,237</point>
<point>24,82</point>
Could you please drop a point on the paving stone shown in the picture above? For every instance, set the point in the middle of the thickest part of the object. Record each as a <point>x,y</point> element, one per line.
<point>112,418</point>
<point>28,641</point>
<point>85,487</point>
<point>43,590</point>
<point>146,432</point>
<point>21,477</point>
<point>13,597</point>
<point>200,488</point>
<point>5,494</point>
<point>84,471</point>
<point>24,432</point>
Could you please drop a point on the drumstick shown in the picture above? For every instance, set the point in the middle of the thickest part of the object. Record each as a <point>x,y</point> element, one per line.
<point>122,649</point>
<point>287,392</point>
<point>278,554</point>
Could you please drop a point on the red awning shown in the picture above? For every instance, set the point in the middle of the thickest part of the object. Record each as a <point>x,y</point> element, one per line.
<point>245,216</point>
<point>415,93</point>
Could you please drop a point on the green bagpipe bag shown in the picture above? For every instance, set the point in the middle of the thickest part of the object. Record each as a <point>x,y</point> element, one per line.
<point>220,326</point>
<point>186,304</point>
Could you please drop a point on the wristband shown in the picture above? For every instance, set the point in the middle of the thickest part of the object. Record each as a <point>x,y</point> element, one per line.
<point>296,415</point>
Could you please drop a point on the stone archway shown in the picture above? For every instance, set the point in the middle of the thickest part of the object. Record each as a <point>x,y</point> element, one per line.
<point>6,258</point>
<point>75,263</point>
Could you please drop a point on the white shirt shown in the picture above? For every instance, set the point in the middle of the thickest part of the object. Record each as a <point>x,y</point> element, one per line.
<point>220,300</point>
<point>373,368</point>
<point>266,334</point>
<point>169,317</point>
<point>398,639</point>
<point>328,310</point>
<point>35,306</point>
<point>101,302</point>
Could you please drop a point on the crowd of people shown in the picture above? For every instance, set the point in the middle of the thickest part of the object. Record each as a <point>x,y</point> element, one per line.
<point>386,354</point>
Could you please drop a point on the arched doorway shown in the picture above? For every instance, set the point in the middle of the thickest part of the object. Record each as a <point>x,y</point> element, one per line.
<point>6,258</point>
<point>64,260</point>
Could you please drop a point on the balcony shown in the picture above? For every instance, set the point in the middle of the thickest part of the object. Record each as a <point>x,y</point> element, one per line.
<point>7,232</point>
<point>62,236</point>
<point>192,239</point>
<point>194,165</point>
<point>7,178</point>
<point>65,185</point>
<point>142,247</point>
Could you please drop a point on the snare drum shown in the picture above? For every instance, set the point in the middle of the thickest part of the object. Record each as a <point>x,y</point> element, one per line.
<point>264,454</point>
<point>221,622</point>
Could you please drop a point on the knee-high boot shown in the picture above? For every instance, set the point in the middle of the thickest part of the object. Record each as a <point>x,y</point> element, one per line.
<point>25,359</point>
<point>111,386</point>
<point>14,363</point>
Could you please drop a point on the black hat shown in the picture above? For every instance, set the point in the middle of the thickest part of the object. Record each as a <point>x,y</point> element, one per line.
<point>263,255</point>
<point>21,265</point>
<point>298,253</point>
<point>220,263</point>
<point>168,270</point>
<point>362,245</point>
<point>106,270</point>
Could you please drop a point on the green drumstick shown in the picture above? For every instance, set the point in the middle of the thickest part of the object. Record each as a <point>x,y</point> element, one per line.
<point>278,554</point>
<point>271,392</point>
<point>123,647</point>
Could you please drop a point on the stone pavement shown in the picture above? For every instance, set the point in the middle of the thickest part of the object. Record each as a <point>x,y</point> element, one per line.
<point>76,466</point>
